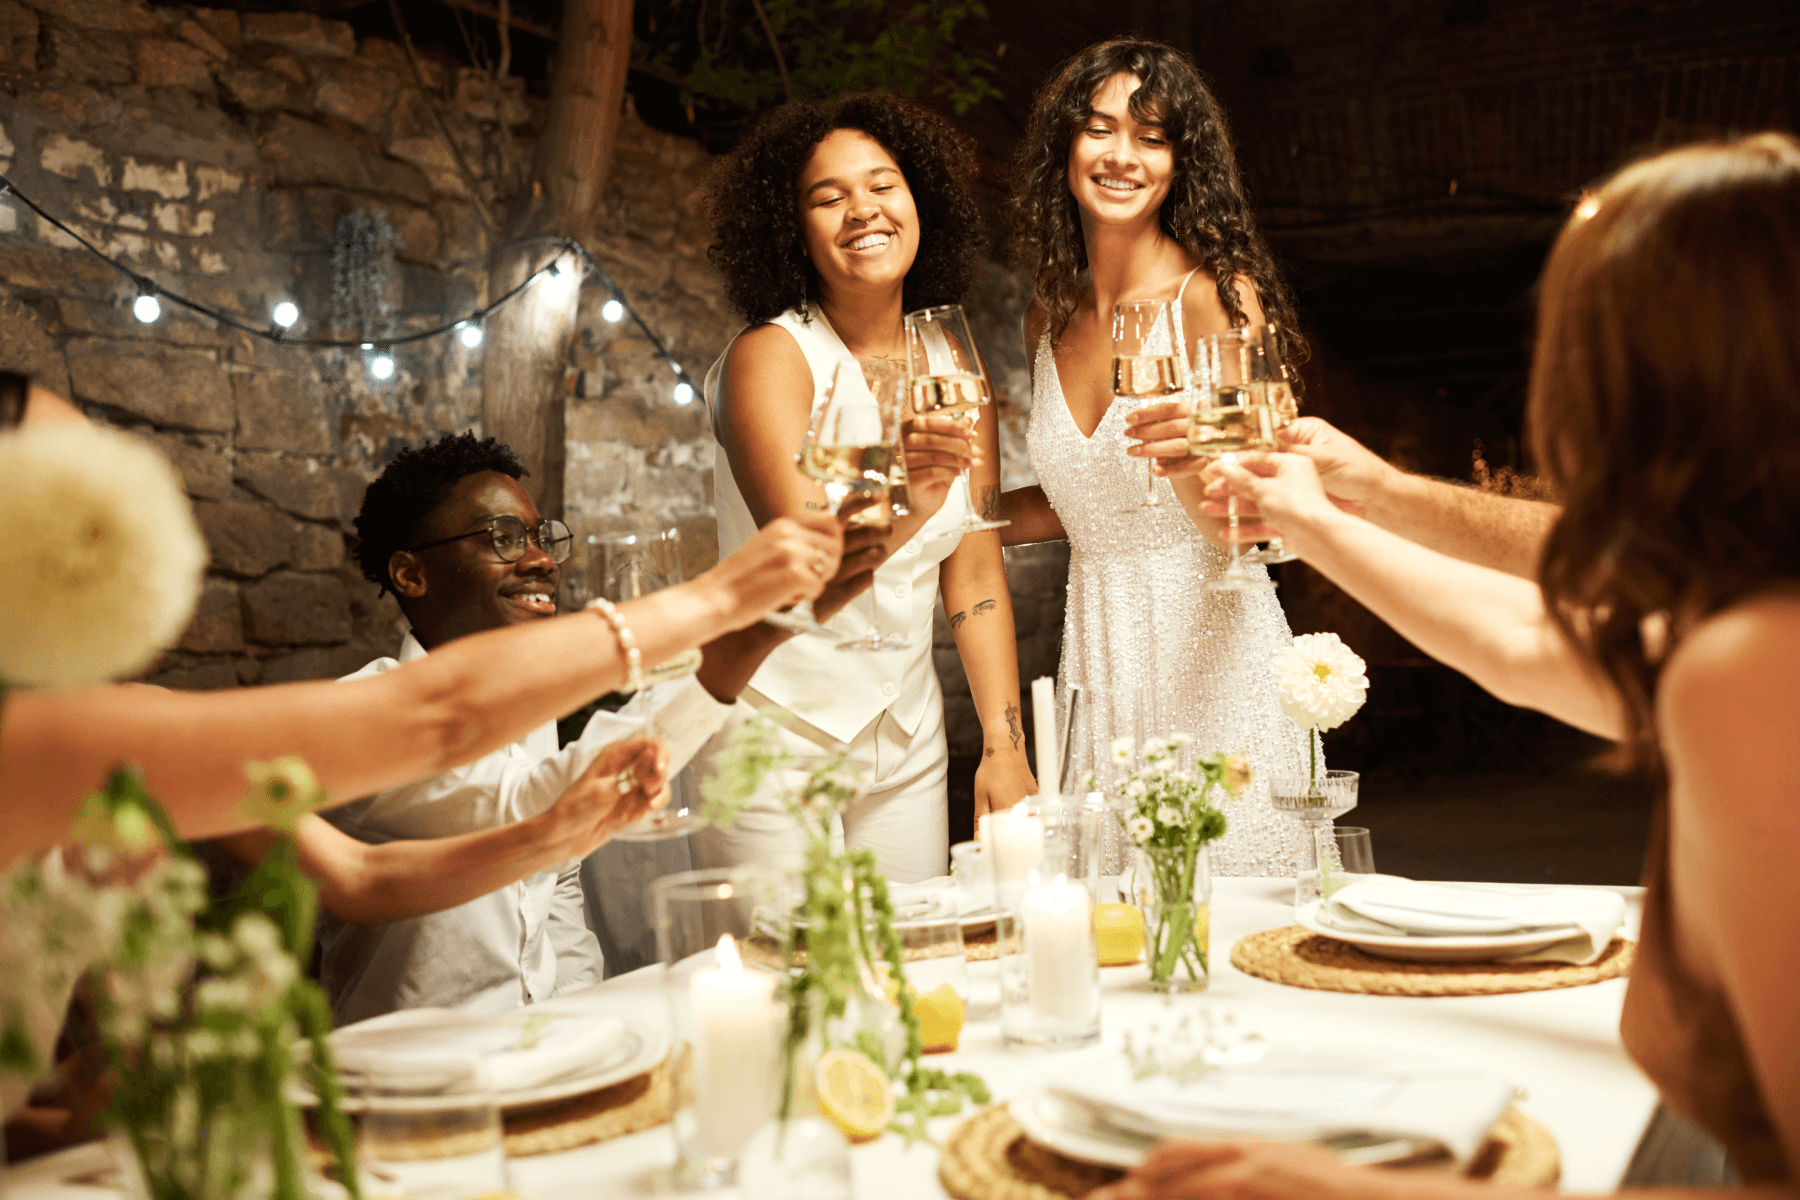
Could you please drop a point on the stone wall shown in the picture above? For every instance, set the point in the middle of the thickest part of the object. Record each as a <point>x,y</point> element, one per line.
<point>214,153</point>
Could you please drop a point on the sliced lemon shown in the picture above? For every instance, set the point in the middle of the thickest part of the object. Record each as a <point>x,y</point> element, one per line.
<point>1119,933</point>
<point>1202,926</point>
<point>940,1014</point>
<point>854,1094</point>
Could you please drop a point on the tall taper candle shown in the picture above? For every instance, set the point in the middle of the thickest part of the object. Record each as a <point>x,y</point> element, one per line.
<point>1043,720</point>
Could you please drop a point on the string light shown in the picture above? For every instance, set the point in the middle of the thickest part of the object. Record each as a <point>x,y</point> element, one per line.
<point>286,314</point>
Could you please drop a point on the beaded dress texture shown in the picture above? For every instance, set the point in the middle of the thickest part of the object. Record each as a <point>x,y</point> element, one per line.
<point>1137,618</point>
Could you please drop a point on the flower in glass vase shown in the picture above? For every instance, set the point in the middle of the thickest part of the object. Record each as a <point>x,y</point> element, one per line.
<point>1168,812</point>
<point>1322,683</point>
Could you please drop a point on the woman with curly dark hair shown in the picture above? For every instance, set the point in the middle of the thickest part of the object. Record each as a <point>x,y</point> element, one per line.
<point>833,219</point>
<point>1128,189</point>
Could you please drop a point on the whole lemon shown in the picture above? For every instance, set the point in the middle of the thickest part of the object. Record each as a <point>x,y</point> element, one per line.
<point>940,1013</point>
<point>1119,933</point>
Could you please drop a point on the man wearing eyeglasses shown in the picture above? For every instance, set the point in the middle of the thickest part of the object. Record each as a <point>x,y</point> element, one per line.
<point>450,530</point>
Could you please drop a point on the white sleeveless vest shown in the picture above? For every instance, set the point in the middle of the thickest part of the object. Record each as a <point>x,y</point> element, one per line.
<point>837,691</point>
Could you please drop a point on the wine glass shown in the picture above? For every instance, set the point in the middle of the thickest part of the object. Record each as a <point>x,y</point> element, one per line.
<point>1146,366</point>
<point>949,377</point>
<point>622,567</point>
<point>886,383</point>
<point>1232,415</point>
<point>847,448</point>
<point>1285,407</point>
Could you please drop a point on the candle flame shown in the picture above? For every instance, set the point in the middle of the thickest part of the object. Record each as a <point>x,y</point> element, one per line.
<point>729,962</point>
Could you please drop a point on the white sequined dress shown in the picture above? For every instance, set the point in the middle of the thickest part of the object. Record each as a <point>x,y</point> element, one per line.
<point>1137,617</point>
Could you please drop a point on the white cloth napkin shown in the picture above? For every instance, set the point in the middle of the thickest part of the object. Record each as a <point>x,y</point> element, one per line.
<point>942,890</point>
<point>1404,907</point>
<point>518,1050</point>
<point>1296,1092</point>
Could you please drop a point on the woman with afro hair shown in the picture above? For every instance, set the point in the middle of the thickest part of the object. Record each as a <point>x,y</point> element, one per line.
<point>1128,189</point>
<point>833,219</point>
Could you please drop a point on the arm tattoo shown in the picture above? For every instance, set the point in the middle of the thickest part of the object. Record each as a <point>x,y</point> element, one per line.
<point>957,619</point>
<point>1012,725</point>
<point>812,504</point>
<point>990,504</point>
<point>986,606</point>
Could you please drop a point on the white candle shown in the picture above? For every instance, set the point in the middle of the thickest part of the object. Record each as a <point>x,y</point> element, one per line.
<point>1059,950</point>
<point>1013,842</point>
<point>1043,721</point>
<point>737,1051</point>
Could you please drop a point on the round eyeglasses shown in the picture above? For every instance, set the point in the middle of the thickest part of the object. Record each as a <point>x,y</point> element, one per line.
<point>509,536</point>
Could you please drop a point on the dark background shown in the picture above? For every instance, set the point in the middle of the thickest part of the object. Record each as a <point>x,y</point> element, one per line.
<point>1411,161</point>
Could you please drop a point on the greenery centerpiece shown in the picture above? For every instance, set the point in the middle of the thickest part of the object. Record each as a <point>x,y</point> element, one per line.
<point>837,985</point>
<point>1169,814</point>
<point>199,1003</point>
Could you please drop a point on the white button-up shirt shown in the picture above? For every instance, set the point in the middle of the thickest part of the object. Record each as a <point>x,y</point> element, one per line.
<point>529,940</point>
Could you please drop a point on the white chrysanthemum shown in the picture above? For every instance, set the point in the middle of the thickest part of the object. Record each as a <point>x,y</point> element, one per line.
<point>1123,750</point>
<point>1136,789</point>
<point>1140,828</point>
<point>1168,814</point>
<point>101,563</point>
<point>1321,681</point>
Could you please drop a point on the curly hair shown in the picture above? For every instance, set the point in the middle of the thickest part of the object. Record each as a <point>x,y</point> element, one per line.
<point>1207,210</point>
<point>753,202</point>
<point>410,489</point>
<point>1660,401</point>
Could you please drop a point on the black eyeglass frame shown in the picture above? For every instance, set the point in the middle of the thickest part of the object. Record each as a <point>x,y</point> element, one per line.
<point>542,534</point>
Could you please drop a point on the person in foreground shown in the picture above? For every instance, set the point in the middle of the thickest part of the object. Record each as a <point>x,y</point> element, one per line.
<point>833,219</point>
<point>1662,391</point>
<point>450,529</point>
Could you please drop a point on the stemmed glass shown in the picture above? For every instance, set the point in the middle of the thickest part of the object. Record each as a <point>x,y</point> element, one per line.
<point>1284,405</point>
<point>622,567</point>
<point>1232,415</point>
<point>1317,802</point>
<point>1146,366</point>
<point>886,384</point>
<point>949,377</point>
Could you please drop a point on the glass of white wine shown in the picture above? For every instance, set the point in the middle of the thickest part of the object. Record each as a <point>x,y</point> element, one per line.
<point>887,385</point>
<point>1146,366</point>
<point>1284,405</point>
<point>948,377</point>
<point>1232,416</point>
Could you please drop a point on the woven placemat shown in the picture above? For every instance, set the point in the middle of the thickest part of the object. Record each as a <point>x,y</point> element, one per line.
<point>988,1157</point>
<point>983,946</point>
<point>1301,958</point>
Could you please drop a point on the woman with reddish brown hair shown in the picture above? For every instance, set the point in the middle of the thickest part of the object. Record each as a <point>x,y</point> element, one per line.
<point>1663,390</point>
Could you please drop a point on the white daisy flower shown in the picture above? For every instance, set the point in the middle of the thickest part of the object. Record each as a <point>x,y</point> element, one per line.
<point>101,565</point>
<point>281,792</point>
<point>1322,682</point>
<point>1168,814</point>
<point>1140,828</point>
<point>1135,789</point>
<point>1123,750</point>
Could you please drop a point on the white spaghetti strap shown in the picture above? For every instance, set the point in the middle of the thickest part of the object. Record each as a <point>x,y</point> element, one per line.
<point>1182,290</point>
<point>1180,330</point>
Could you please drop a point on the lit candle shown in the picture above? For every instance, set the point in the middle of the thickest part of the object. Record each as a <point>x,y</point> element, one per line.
<point>1013,842</point>
<point>1060,953</point>
<point>737,1051</point>
<point>1043,721</point>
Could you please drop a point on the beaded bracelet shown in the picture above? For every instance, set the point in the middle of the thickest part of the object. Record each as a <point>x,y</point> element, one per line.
<point>634,661</point>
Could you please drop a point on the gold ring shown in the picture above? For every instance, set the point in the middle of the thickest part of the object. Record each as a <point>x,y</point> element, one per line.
<point>625,780</point>
<point>820,559</point>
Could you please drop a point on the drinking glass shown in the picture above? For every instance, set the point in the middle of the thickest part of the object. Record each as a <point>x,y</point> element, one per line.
<point>848,447</point>
<point>428,1127</point>
<point>931,942</point>
<point>886,384</point>
<point>948,377</point>
<point>1146,366</point>
<point>1232,415</point>
<point>1285,407</point>
<point>1317,802</point>
<point>719,935</point>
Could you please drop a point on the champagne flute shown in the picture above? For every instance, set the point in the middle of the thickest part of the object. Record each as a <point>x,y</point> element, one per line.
<point>1232,416</point>
<point>844,451</point>
<point>1146,366</point>
<point>885,382</point>
<point>949,377</point>
<point>622,567</point>
<point>1285,407</point>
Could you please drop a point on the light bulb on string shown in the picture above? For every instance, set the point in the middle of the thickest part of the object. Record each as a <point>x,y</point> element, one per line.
<point>684,392</point>
<point>382,365</point>
<point>612,311</point>
<point>146,307</point>
<point>285,314</point>
<point>470,333</point>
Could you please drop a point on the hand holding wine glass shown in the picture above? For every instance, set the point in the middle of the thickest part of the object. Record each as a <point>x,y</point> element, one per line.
<point>1146,365</point>
<point>949,378</point>
<point>1232,416</point>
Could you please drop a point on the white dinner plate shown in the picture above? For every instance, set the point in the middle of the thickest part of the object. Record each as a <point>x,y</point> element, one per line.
<point>640,1048</point>
<point>1432,947</point>
<point>1067,1129</point>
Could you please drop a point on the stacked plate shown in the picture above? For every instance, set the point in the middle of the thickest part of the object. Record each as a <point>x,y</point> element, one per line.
<point>1468,922</point>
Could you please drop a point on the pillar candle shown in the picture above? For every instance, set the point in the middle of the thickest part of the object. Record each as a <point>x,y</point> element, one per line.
<point>1060,953</point>
<point>1043,720</point>
<point>1014,845</point>
<point>737,1051</point>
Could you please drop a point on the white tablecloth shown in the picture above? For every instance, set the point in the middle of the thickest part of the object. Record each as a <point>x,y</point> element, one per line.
<point>1561,1047</point>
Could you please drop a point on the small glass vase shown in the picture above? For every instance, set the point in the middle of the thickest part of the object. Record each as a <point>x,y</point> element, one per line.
<point>1176,902</point>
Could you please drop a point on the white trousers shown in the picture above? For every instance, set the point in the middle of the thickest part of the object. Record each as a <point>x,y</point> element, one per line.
<point>904,817</point>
